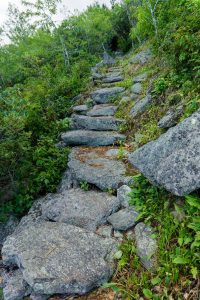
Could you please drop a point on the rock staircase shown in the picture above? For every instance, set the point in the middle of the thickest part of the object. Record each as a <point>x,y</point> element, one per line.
<point>66,243</point>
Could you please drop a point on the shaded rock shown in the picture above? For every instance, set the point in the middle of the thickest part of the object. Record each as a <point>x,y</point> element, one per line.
<point>137,88</point>
<point>79,208</point>
<point>93,166</point>
<point>77,98</point>
<point>134,97</point>
<point>123,195</point>
<point>105,231</point>
<point>141,106</point>
<point>142,57</point>
<point>7,228</point>
<point>60,145</point>
<point>140,78</point>
<point>123,219</point>
<point>91,138</point>
<point>16,288</point>
<point>102,110</point>
<point>171,118</point>
<point>81,109</point>
<point>146,245</point>
<point>57,258</point>
<point>173,160</point>
<point>96,76</point>
<point>68,182</point>
<point>113,77</point>
<point>105,95</point>
<point>96,123</point>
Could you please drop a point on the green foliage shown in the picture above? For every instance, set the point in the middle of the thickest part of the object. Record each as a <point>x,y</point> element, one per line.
<point>178,236</point>
<point>85,185</point>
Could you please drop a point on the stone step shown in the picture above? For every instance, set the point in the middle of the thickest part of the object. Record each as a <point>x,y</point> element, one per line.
<point>85,209</point>
<point>112,79</point>
<point>56,258</point>
<point>95,123</point>
<point>102,110</point>
<point>81,109</point>
<point>91,138</point>
<point>94,166</point>
<point>105,95</point>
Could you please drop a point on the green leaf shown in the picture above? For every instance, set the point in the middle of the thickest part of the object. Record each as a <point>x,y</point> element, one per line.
<point>193,201</point>
<point>118,254</point>
<point>194,272</point>
<point>147,293</point>
<point>155,280</point>
<point>181,260</point>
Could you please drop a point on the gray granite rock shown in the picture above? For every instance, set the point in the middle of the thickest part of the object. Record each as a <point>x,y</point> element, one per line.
<point>57,258</point>
<point>91,138</point>
<point>124,100</point>
<point>140,78</point>
<point>93,166</point>
<point>135,97</point>
<point>173,160</point>
<point>124,218</point>
<point>81,109</point>
<point>137,88</point>
<point>16,288</point>
<point>171,118</point>
<point>141,106</point>
<point>80,208</point>
<point>105,231</point>
<point>123,195</point>
<point>7,228</point>
<point>107,59</point>
<point>142,58</point>
<point>67,182</point>
<point>105,95</point>
<point>102,110</point>
<point>146,245</point>
<point>96,123</point>
<point>112,77</point>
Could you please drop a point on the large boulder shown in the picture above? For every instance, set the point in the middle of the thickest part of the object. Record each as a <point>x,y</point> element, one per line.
<point>94,166</point>
<point>96,123</point>
<point>102,110</point>
<point>80,208</point>
<point>56,258</point>
<point>105,95</point>
<point>91,138</point>
<point>173,160</point>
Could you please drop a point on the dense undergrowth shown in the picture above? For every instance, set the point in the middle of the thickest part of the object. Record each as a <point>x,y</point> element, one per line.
<point>176,224</point>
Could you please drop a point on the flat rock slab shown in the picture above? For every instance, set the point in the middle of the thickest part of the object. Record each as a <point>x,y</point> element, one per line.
<point>173,160</point>
<point>102,110</point>
<point>91,138</point>
<point>141,106</point>
<point>146,245</point>
<point>112,78</point>
<point>124,219</point>
<point>93,166</point>
<point>80,208</point>
<point>57,258</point>
<point>81,109</point>
<point>105,95</point>
<point>171,118</point>
<point>96,123</point>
